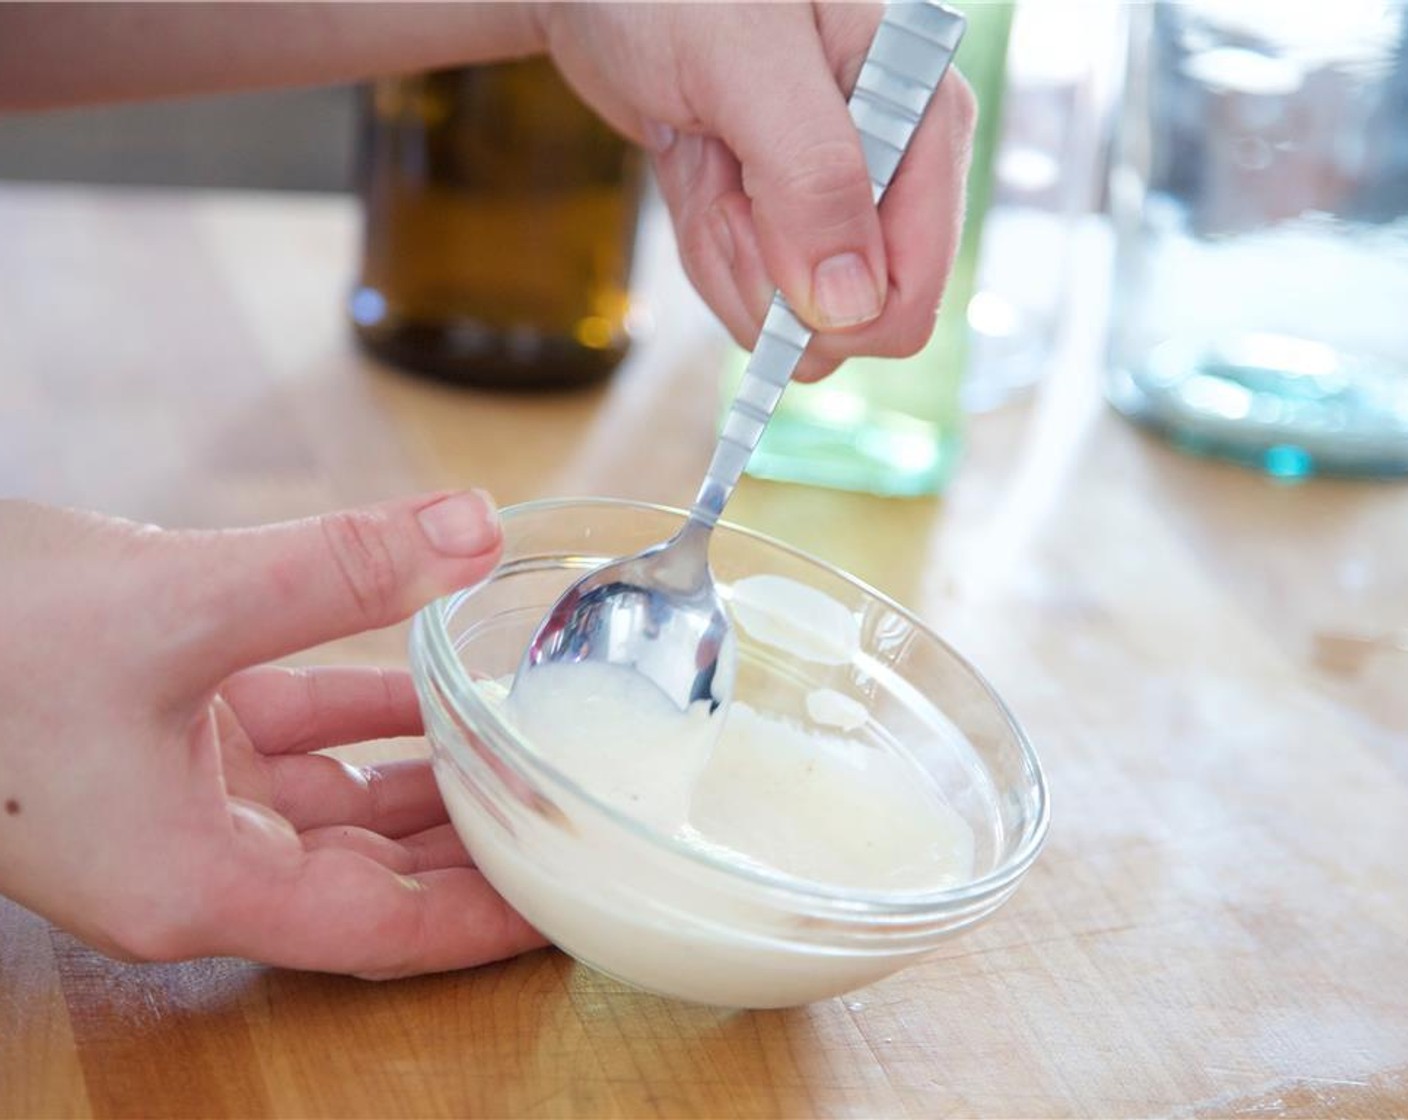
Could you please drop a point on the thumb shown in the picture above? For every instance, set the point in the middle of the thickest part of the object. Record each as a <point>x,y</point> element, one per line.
<point>804,169</point>
<point>249,595</point>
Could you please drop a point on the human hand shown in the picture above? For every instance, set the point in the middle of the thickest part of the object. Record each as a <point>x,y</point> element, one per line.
<point>158,794</point>
<point>744,109</point>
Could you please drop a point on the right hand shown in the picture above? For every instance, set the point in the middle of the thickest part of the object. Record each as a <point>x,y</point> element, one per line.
<point>744,108</point>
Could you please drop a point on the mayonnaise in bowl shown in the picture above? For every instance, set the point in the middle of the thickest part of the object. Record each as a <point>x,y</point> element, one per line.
<point>867,796</point>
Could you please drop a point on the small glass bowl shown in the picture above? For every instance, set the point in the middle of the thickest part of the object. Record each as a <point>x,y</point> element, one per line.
<point>673,918</point>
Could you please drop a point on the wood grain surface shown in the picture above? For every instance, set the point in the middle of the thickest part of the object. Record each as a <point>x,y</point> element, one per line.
<point>1213,667</point>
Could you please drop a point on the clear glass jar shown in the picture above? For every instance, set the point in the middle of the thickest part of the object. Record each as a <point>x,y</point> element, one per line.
<point>1260,194</point>
<point>668,916</point>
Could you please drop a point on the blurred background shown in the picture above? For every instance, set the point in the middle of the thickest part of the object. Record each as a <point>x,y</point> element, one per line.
<point>1043,71</point>
<point>1212,151</point>
<point>299,140</point>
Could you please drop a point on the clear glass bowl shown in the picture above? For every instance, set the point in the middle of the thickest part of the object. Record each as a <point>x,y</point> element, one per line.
<point>678,919</point>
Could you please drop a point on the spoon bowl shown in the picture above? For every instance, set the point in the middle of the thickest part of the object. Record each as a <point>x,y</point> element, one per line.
<point>643,611</point>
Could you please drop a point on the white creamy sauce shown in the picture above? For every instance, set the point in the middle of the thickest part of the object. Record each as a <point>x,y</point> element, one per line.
<point>603,727</point>
<point>829,708</point>
<point>766,794</point>
<point>769,793</point>
<point>795,618</point>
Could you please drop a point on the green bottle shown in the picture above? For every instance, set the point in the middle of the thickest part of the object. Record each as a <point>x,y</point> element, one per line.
<point>894,426</point>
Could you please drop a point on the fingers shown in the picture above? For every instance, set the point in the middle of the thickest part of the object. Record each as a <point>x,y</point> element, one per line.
<point>375,894</point>
<point>922,219</point>
<point>293,711</point>
<point>341,911</point>
<point>395,799</point>
<point>286,713</point>
<point>430,850</point>
<point>743,107</point>
<point>700,182</point>
<point>730,242</point>
<point>801,165</point>
<point>237,598</point>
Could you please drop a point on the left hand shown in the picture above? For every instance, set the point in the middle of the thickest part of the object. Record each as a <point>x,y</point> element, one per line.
<point>159,794</point>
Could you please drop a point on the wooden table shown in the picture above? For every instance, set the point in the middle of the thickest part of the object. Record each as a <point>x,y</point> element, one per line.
<point>1212,666</point>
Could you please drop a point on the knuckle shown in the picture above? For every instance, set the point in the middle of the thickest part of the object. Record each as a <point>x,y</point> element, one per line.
<point>827,170</point>
<point>364,562</point>
<point>833,153</point>
<point>829,179</point>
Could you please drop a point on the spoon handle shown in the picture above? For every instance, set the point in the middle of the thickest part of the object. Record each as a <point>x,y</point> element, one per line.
<point>908,57</point>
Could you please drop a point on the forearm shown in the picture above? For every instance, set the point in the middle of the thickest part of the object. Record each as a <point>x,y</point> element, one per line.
<point>66,54</point>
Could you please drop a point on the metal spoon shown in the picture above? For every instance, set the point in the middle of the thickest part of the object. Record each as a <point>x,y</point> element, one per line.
<point>657,613</point>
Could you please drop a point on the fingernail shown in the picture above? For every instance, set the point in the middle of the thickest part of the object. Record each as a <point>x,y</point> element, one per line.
<point>844,292</point>
<point>463,524</point>
<point>659,137</point>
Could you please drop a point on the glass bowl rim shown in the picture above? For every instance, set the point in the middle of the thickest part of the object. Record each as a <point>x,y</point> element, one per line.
<point>432,632</point>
